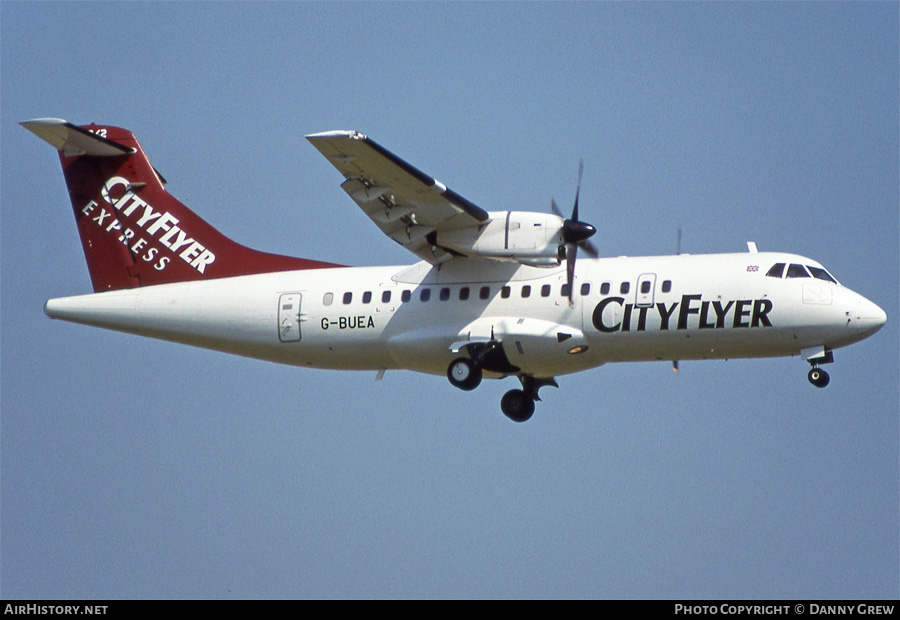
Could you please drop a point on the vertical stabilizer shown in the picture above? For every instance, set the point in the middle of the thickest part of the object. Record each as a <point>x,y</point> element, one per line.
<point>133,231</point>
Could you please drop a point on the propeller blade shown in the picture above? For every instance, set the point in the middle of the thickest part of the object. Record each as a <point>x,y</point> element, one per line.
<point>678,242</point>
<point>590,249</point>
<point>555,208</point>
<point>577,190</point>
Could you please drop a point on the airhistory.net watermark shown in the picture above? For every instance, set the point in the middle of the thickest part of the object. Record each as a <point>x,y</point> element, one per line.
<point>33,609</point>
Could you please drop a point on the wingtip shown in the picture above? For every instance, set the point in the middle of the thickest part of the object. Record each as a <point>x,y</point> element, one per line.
<point>339,133</point>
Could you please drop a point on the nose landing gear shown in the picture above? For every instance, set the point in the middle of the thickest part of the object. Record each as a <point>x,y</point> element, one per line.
<point>818,377</point>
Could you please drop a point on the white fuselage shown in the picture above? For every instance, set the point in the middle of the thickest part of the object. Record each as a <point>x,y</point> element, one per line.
<point>694,307</point>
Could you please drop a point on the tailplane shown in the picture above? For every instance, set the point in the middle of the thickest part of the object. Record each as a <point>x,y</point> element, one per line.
<point>133,231</point>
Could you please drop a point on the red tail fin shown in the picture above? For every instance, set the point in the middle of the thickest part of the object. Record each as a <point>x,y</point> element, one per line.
<point>133,231</point>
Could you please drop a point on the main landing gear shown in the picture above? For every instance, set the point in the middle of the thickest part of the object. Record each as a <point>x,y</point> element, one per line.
<point>518,405</point>
<point>466,374</point>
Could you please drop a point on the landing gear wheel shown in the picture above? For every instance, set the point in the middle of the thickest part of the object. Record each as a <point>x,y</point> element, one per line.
<point>464,374</point>
<point>818,377</point>
<point>517,406</point>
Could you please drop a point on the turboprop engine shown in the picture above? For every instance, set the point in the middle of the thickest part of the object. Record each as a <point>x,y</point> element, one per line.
<point>535,239</point>
<point>525,237</point>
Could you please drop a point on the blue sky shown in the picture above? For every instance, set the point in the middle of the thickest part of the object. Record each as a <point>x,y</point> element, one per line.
<point>136,468</point>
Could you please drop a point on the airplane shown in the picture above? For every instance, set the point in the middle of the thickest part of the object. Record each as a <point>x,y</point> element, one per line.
<point>494,294</point>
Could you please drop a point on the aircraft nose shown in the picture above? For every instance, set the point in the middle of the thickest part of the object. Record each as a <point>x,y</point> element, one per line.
<point>869,318</point>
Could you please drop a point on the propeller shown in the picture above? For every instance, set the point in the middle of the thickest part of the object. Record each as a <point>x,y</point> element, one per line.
<point>575,234</point>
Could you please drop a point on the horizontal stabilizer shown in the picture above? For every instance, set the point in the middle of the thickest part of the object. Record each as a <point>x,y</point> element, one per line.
<point>72,141</point>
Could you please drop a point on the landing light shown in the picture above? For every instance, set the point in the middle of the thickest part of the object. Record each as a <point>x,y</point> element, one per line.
<point>579,349</point>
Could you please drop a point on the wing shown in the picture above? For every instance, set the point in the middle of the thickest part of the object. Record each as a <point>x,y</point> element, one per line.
<point>409,206</point>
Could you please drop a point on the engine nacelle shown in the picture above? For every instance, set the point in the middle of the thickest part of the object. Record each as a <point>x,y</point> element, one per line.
<point>519,236</point>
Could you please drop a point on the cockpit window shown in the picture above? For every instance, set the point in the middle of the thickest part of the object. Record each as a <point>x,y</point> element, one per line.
<point>821,274</point>
<point>776,271</point>
<point>797,271</point>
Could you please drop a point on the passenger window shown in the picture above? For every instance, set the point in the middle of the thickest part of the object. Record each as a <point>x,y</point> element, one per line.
<point>667,286</point>
<point>645,287</point>
<point>328,299</point>
<point>776,271</point>
<point>464,293</point>
<point>348,297</point>
<point>445,294</point>
<point>564,290</point>
<point>797,271</point>
<point>526,291</point>
<point>624,288</point>
<point>385,297</point>
<point>485,292</point>
<point>405,296</point>
<point>604,288</point>
<point>545,290</point>
<point>585,289</point>
<point>821,274</point>
<point>425,294</point>
<point>504,292</point>
<point>367,297</point>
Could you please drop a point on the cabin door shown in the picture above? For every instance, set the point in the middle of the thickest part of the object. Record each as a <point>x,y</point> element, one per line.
<point>289,317</point>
